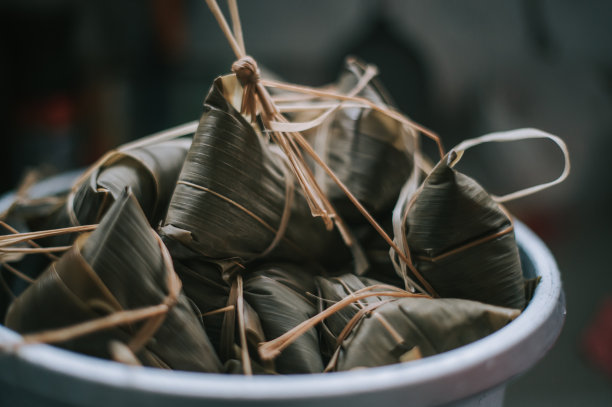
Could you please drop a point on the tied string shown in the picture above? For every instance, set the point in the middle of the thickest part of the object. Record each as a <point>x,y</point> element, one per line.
<point>364,310</point>
<point>235,317</point>
<point>351,324</point>
<point>9,253</point>
<point>247,73</point>
<point>271,349</point>
<point>286,135</point>
<point>31,243</point>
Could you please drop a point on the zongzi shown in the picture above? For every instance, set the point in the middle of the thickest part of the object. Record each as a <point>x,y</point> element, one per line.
<point>462,241</point>
<point>120,266</point>
<point>235,197</point>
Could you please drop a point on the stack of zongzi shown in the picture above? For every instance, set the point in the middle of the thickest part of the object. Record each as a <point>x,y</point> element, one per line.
<point>207,257</point>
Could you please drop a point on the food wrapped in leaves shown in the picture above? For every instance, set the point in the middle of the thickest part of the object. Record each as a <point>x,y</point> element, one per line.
<point>235,197</point>
<point>277,292</point>
<point>120,266</point>
<point>409,328</point>
<point>462,241</point>
<point>370,153</point>
<point>150,172</point>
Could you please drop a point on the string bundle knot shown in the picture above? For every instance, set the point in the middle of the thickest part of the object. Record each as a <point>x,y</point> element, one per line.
<point>246,71</point>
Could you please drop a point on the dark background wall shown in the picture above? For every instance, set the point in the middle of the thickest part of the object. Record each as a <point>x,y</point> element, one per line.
<point>79,77</point>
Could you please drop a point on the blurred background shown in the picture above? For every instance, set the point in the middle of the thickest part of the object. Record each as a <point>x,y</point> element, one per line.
<point>80,77</point>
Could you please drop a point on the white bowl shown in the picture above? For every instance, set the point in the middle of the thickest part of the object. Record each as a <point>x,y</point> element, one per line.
<point>472,375</point>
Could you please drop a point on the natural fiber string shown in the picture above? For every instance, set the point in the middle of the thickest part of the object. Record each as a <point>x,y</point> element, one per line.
<point>10,240</point>
<point>218,311</point>
<point>517,135</point>
<point>271,349</point>
<point>236,26</point>
<point>18,273</point>
<point>385,110</point>
<point>33,250</point>
<point>333,361</point>
<point>360,265</point>
<point>30,250</point>
<point>95,325</point>
<point>244,349</point>
<point>30,242</point>
<point>6,241</point>
<point>363,311</point>
<point>348,328</point>
<point>174,285</point>
<point>470,245</point>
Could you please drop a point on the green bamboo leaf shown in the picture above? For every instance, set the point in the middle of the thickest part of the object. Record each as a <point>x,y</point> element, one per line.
<point>277,292</point>
<point>203,284</point>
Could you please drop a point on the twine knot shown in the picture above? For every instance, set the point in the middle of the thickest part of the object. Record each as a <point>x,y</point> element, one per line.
<point>246,71</point>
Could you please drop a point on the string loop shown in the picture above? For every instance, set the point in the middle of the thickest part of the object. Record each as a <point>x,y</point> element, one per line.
<point>517,135</point>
